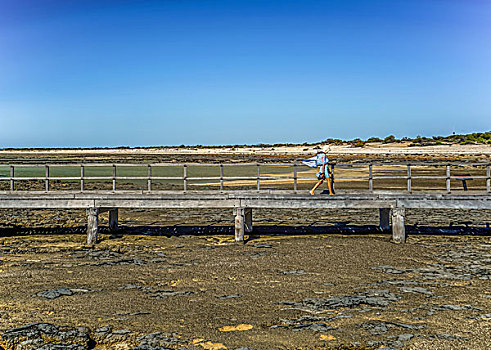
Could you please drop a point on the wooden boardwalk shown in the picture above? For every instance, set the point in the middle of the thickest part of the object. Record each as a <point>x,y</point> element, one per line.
<point>391,203</point>
<point>391,206</point>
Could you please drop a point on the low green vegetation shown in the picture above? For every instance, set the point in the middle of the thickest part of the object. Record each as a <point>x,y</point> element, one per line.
<point>477,138</point>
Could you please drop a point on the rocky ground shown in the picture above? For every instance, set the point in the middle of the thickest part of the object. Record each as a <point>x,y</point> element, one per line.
<point>274,292</point>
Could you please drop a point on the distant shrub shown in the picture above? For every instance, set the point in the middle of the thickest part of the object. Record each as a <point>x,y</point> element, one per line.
<point>390,139</point>
<point>333,141</point>
<point>374,139</point>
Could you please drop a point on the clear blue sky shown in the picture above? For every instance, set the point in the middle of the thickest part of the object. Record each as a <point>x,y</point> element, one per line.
<point>109,73</point>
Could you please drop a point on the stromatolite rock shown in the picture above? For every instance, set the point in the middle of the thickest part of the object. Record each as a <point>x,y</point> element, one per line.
<point>54,293</point>
<point>159,341</point>
<point>45,336</point>
<point>311,323</point>
<point>163,294</point>
<point>128,261</point>
<point>106,335</point>
<point>377,328</point>
<point>293,272</point>
<point>371,297</point>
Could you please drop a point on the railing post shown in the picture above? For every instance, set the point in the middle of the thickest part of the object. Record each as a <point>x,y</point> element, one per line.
<point>114,177</point>
<point>409,178</point>
<point>332,176</point>
<point>488,178</point>
<point>448,178</point>
<point>82,174</point>
<point>221,177</point>
<point>370,177</point>
<point>12,175</point>
<point>46,181</point>
<point>185,176</point>
<point>258,177</point>
<point>295,178</point>
<point>149,181</point>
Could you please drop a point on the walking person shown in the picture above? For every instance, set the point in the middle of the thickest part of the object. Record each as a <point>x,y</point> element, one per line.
<point>320,160</point>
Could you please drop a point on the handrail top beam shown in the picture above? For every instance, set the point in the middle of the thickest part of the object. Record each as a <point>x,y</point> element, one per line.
<point>344,163</point>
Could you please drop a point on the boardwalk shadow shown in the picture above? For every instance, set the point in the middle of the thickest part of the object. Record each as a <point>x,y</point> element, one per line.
<point>169,231</point>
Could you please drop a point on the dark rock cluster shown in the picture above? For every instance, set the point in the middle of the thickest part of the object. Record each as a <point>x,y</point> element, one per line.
<point>45,336</point>
<point>310,323</point>
<point>371,297</point>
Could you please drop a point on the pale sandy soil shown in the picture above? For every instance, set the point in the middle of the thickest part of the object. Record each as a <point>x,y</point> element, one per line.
<point>369,149</point>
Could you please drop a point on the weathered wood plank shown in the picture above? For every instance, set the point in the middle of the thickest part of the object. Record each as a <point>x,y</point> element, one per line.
<point>230,200</point>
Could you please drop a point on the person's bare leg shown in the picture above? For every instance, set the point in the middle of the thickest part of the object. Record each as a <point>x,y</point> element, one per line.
<point>315,187</point>
<point>329,186</point>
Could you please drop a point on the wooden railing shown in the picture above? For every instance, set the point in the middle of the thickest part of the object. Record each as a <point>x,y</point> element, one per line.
<point>9,174</point>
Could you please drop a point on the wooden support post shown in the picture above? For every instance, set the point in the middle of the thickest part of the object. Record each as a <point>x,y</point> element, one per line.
<point>248,220</point>
<point>113,220</point>
<point>384,222</point>
<point>92,225</point>
<point>398,229</point>
<point>185,177</point>
<point>239,224</point>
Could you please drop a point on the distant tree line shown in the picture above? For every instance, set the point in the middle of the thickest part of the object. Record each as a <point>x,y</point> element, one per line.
<point>477,138</point>
<point>462,139</point>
